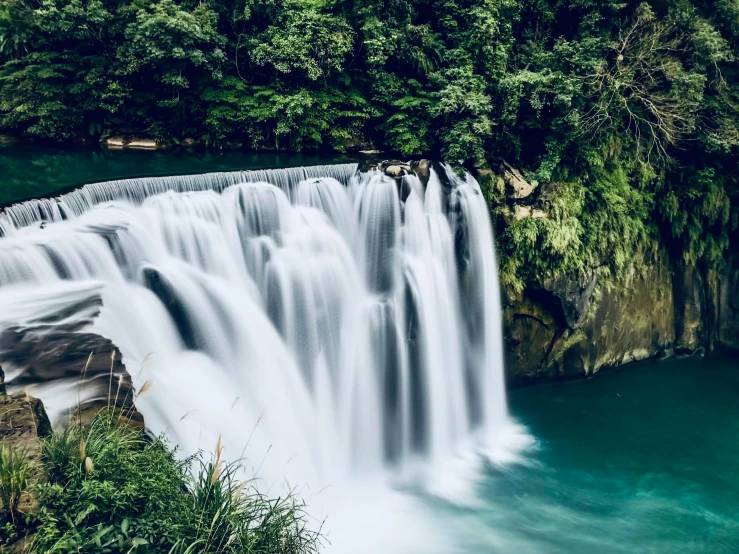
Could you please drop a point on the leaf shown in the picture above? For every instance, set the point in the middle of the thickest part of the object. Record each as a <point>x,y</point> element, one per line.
<point>84,513</point>
<point>100,534</point>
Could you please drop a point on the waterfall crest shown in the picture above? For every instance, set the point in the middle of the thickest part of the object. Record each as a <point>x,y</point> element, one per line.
<point>75,203</point>
<point>328,327</point>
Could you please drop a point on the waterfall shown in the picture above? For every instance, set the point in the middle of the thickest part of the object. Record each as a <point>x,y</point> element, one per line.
<point>326,326</point>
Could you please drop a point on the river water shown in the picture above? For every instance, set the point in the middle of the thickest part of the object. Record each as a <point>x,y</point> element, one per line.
<point>640,459</point>
<point>643,458</point>
<point>29,171</point>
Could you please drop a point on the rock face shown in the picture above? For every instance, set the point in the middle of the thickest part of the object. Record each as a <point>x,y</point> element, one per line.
<point>43,354</point>
<point>728,305</point>
<point>516,185</point>
<point>23,423</point>
<point>573,296</point>
<point>131,142</point>
<point>573,327</point>
<point>690,302</point>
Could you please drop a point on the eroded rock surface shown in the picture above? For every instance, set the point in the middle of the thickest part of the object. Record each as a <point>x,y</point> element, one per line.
<point>41,355</point>
<point>23,421</point>
<point>517,186</point>
<point>572,328</point>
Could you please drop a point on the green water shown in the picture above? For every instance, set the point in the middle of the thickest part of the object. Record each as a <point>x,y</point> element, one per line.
<point>643,458</point>
<point>30,171</point>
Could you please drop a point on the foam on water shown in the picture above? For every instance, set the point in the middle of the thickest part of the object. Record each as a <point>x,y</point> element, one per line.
<point>343,337</point>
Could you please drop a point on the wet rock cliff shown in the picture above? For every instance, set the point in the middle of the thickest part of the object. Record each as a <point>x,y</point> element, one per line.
<point>575,325</point>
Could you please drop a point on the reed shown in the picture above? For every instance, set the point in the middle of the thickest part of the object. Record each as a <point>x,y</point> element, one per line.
<point>111,488</point>
<point>15,477</point>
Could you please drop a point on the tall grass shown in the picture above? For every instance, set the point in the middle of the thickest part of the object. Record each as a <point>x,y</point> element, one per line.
<point>15,476</point>
<point>111,489</point>
<point>234,517</point>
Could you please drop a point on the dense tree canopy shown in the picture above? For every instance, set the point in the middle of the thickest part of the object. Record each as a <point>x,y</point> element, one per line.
<point>630,110</point>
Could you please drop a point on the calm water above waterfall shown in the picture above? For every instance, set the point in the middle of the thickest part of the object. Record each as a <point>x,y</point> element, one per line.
<point>343,332</point>
<point>32,171</point>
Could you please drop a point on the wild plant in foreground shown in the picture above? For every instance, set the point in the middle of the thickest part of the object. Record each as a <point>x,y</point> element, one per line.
<point>233,517</point>
<point>15,475</point>
<point>58,451</point>
<point>111,489</point>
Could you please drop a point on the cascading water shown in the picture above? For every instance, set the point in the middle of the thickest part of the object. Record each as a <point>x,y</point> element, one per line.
<point>331,325</point>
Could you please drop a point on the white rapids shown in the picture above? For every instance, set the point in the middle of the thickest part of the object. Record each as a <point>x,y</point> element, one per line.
<point>341,337</point>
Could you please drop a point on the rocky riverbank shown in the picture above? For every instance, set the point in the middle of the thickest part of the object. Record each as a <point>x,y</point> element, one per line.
<point>62,362</point>
<point>65,357</point>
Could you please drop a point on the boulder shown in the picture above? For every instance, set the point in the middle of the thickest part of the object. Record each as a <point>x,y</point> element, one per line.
<point>422,170</point>
<point>516,186</point>
<point>23,423</point>
<point>46,353</point>
<point>394,171</point>
<point>521,212</point>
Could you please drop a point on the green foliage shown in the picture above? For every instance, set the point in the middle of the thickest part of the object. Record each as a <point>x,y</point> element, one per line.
<point>697,209</point>
<point>463,102</point>
<point>632,105</point>
<point>110,489</point>
<point>234,517</point>
<point>592,224</point>
<point>304,40</point>
<point>170,42</point>
<point>128,495</point>
<point>15,476</point>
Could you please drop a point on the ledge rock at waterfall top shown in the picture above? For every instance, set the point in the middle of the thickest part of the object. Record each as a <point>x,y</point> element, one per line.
<point>42,355</point>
